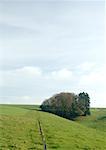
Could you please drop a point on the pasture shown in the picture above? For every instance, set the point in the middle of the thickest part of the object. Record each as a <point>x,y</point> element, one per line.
<point>19,130</point>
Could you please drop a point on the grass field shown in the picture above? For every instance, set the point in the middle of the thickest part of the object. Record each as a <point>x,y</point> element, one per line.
<point>97,119</point>
<point>19,130</point>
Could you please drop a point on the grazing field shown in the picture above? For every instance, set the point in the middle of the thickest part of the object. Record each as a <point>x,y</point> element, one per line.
<point>19,130</point>
<point>96,120</point>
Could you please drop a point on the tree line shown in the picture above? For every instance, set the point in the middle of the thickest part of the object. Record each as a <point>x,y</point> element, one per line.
<point>68,105</point>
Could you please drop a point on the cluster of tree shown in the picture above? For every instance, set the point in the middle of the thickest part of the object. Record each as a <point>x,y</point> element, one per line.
<point>68,105</point>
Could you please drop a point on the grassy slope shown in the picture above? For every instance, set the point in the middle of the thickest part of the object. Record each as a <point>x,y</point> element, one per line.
<point>63,134</point>
<point>19,130</point>
<point>96,120</point>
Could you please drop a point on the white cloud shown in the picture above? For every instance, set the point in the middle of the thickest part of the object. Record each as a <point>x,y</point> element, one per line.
<point>95,84</point>
<point>33,73</point>
<point>95,77</point>
<point>62,75</point>
<point>86,66</point>
<point>29,71</point>
<point>32,84</point>
<point>15,77</point>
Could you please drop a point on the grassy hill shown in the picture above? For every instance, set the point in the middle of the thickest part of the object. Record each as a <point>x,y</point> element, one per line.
<point>19,130</point>
<point>97,119</point>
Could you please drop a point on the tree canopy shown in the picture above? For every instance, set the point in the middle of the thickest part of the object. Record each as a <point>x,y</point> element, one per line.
<point>68,105</point>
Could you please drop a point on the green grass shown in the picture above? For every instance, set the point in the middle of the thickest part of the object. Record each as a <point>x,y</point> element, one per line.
<point>96,120</point>
<point>63,134</point>
<point>12,110</point>
<point>19,130</point>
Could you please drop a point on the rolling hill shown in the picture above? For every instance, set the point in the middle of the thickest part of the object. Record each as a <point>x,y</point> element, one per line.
<point>19,130</point>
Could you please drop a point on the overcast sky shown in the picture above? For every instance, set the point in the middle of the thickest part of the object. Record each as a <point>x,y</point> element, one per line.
<point>52,46</point>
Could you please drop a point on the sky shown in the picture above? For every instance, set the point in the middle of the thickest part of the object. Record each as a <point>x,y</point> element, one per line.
<point>52,46</point>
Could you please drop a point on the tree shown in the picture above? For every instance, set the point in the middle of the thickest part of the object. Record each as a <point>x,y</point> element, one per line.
<point>84,103</point>
<point>68,105</point>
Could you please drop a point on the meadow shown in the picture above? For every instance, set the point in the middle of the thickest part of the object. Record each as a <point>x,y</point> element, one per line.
<point>19,130</point>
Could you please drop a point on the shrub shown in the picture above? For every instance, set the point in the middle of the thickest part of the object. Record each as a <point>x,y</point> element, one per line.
<point>68,105</point>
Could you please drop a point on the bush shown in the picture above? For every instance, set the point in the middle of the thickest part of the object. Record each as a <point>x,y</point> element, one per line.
<point>68,105</point>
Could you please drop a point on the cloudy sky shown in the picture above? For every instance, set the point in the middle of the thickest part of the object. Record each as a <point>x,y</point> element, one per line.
<point>51,46</point>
